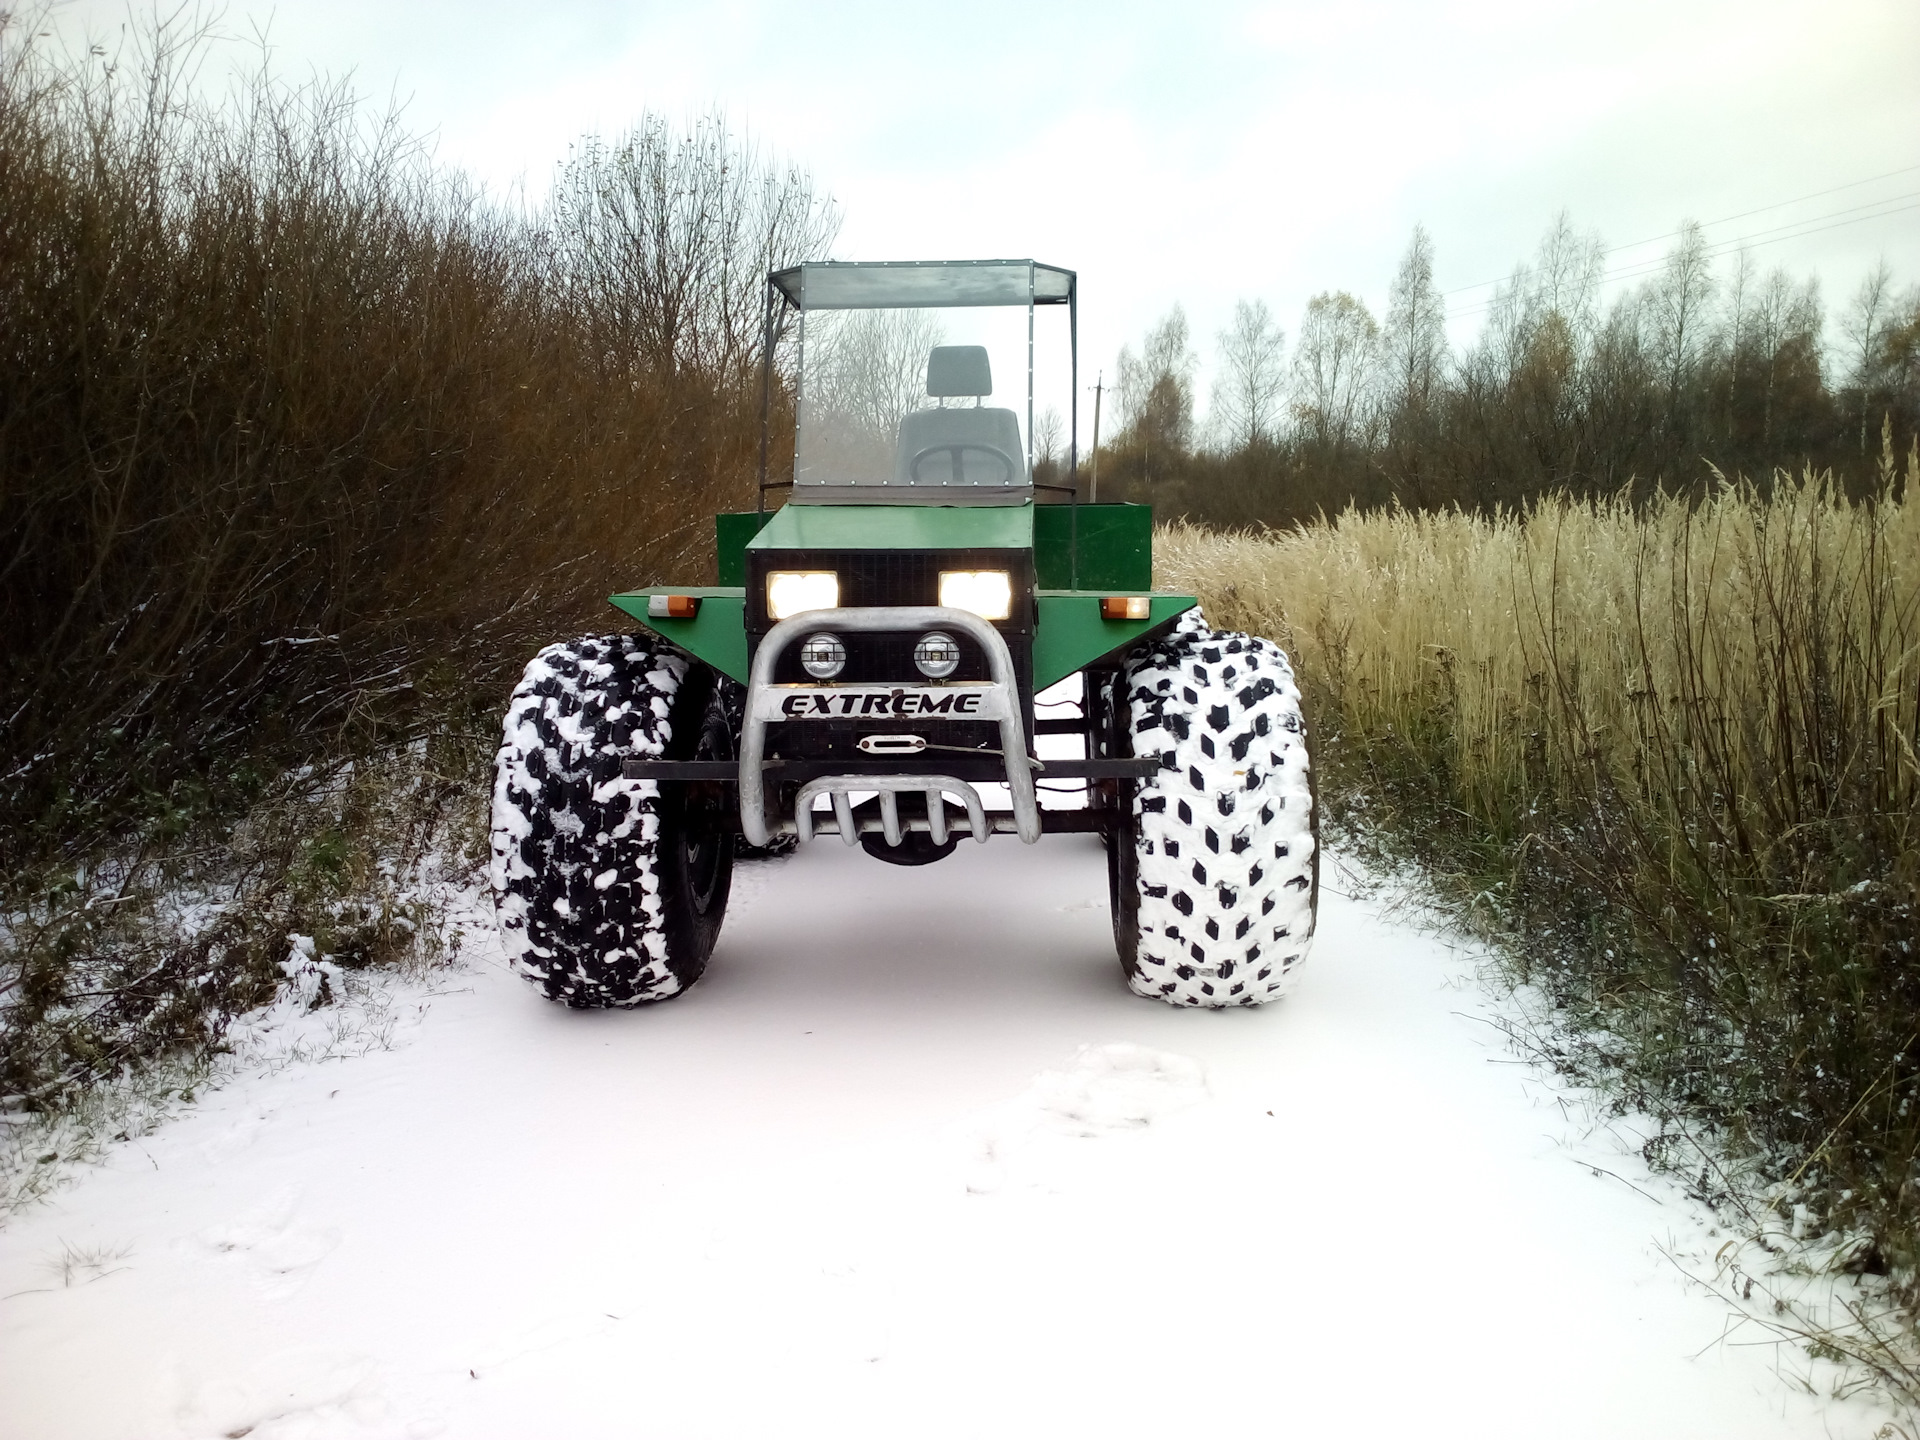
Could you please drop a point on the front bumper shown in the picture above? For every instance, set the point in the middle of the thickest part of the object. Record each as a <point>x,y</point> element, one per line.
<point>997,700</point>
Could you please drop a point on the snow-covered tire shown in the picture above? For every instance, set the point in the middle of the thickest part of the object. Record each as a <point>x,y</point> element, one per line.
<point>1215,862</point>
<point>606,893</point>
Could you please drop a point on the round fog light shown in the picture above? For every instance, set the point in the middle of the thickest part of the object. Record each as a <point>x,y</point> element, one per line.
<point>937,655</point>
<point>823,656</point>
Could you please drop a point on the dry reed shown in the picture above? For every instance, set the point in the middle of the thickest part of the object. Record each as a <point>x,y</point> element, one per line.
<point>1670,750</point>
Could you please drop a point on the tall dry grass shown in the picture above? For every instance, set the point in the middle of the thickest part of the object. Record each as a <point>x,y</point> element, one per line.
<point>1671,749</point>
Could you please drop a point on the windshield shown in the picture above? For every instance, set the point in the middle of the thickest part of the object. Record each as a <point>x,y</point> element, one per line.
<point>919,403</point>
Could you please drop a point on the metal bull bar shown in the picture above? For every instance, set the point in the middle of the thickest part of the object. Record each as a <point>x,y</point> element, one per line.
<point>1000,700</point>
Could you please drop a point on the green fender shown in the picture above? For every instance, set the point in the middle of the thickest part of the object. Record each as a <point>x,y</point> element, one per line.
<point>1071,635</point>
<point>717,634</point>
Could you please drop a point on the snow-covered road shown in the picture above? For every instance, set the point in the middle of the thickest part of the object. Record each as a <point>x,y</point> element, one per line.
<point>910,1161</point>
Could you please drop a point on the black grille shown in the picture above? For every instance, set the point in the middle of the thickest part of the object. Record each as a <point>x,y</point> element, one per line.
<point>894,577</point>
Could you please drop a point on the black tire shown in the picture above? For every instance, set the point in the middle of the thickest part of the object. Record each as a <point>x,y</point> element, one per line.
<point>608,893</point>
<point>1213,863</point>
<point>1109,734</point>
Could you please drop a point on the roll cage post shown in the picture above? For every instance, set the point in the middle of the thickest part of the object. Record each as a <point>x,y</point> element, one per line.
<point>773,322</point>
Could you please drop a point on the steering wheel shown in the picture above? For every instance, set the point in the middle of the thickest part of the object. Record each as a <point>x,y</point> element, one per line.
<point>1007,463</point>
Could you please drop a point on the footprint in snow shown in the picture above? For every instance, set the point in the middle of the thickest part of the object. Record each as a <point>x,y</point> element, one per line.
<point>296,1394</point>
<point>1104,1090</point>
<point>280,1252</point>
<point>236,1137</point>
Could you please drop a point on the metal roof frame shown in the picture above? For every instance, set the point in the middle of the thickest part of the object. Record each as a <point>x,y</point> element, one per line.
<point>929,284</point>
<point>922,284</point>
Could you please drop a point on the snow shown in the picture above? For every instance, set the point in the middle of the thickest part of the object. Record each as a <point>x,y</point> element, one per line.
<point>909,1161</point>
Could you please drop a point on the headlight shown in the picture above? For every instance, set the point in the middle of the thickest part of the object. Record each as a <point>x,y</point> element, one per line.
<point>936,655</point>
<point>987,593</point>
<point>823,656</point>
<point>792,592</point>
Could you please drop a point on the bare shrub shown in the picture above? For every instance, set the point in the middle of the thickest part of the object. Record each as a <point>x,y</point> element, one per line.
<point>305,446</point>
<point>300,436</point>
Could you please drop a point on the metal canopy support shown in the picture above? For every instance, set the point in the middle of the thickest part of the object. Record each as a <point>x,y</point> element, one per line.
<point>773,322</point>
<point>1073,430</point>
<point>921,284</point>
<point>766,393</point>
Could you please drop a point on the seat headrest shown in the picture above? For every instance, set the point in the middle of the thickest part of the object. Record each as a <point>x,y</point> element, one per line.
<point>959,370</point>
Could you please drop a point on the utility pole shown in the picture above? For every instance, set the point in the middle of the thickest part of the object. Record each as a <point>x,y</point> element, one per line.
<point>1099,383</point>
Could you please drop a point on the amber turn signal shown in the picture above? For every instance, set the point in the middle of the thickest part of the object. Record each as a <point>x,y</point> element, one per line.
<point>1124,607</point>
<point>672,607</point>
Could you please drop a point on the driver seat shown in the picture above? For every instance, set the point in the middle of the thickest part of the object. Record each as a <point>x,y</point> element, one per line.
<point>962,446</point>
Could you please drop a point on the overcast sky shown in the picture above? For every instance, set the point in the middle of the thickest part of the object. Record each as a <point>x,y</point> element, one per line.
<point>1198,152</point>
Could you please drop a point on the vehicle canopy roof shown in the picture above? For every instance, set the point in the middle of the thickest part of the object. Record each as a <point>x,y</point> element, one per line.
<point>921,284</point>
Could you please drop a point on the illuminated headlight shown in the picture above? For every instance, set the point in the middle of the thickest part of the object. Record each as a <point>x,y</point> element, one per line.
<point>987,593</point>
<point>937,656</point>
<point>823,656</point>
<point>792,592</point>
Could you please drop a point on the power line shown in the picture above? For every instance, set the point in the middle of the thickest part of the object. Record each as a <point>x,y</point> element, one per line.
<point>1809,226</point>
<point>1722,247</point>
<point>1761,210</point>
<point>1723,220</point>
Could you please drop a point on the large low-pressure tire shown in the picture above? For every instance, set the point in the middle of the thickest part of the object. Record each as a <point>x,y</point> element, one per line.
<point>609,893</point>
<point>1214,862</point>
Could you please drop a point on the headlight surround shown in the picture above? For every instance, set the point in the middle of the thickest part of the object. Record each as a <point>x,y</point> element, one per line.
<point>822,655</point>
<point>794,592</point>
<point>987,593</point>
<point>937,655</point>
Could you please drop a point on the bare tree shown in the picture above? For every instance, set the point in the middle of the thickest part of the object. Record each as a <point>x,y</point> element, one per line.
<point>1414,340</point>
<point>673,234</point>
<point>1246,398</point>
<point>1155,391</point>
<point>1566,277</point>
<point>1049,432</point>
<point>1679,306</point>
<point>1863,325</point>
<point>1899,367</point>
<point>1334,368</point>
<point>1770,330</point>
<point>1737,325</point>
<point>1555,298</point>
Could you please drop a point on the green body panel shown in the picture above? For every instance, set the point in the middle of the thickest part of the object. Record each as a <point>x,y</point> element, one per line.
<point>1071,635</point>
<point>730,536</point>
<point>897,527</point>
<point>717,635</point>
<point>1115,557</point>
<point>1115,548</point>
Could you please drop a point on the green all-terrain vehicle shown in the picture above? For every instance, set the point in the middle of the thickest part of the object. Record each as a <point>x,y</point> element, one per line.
<point>868,666</point>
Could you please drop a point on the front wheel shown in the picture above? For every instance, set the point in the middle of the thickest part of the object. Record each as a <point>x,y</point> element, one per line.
<point>607,892</point>
<point>1213,862</point>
